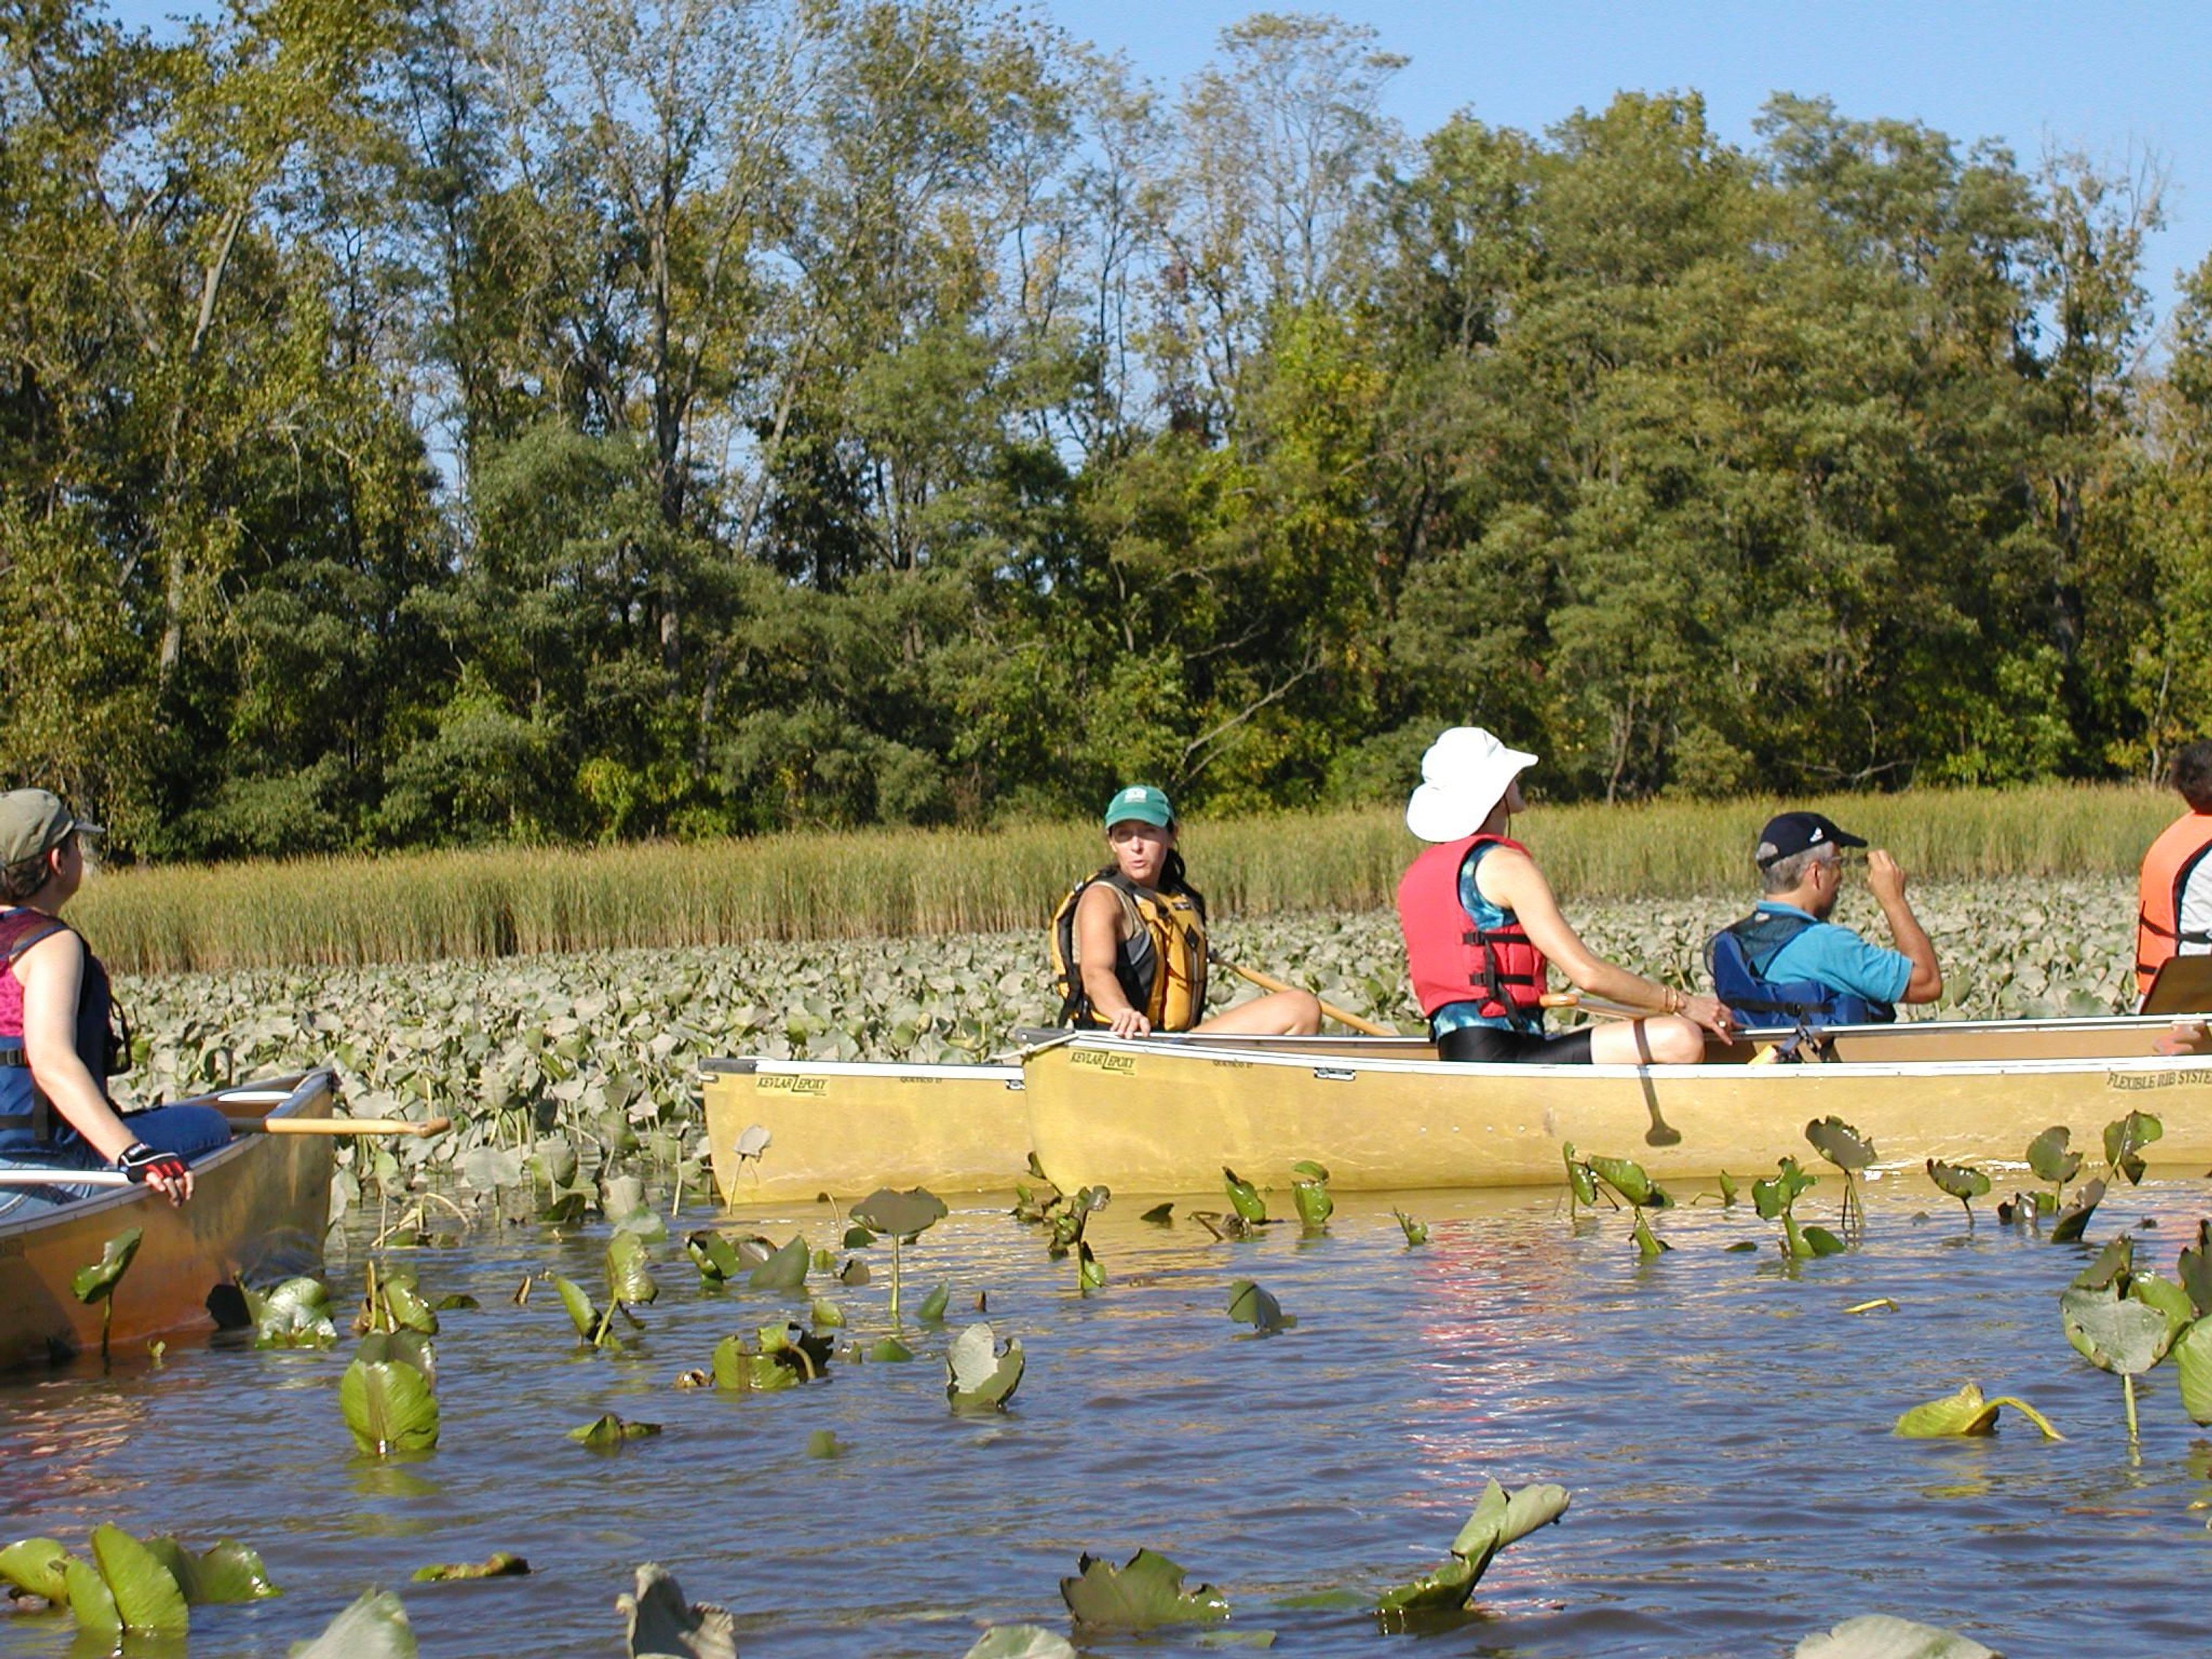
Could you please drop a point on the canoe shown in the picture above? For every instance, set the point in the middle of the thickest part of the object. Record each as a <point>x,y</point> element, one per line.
<point>1163,1115</point>
<point>1384,1114</point>
<point>848,1128</point>
<point>258,1211</point>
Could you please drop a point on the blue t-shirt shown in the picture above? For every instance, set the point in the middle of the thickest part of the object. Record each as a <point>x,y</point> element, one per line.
<point>1837,958</point>
<point>1486,916</point>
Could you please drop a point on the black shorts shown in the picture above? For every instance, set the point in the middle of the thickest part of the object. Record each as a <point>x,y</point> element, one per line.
<point>1493,1045</point>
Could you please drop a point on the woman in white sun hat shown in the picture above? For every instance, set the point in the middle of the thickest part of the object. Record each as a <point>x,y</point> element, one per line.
<point>1482,929</point>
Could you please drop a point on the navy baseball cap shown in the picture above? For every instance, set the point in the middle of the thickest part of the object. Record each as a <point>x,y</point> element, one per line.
<point>1792,833</point>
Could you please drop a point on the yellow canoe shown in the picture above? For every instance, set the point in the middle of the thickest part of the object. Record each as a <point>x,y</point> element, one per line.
<point>258,1211</point>
<point>1165,1115</point>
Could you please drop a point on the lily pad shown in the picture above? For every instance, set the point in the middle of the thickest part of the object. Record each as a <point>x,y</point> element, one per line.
<point>1878,1636</point>
<point>374,1627</point>
<point>1417,1232</point>
<point>1500,1518</point>
<point>1840,1144</point>
<point>1020,1641</point>
<point>1250,1304</point>
<point>227,1571</point>
<point>662,1624</point>
<point>1966,1413</point>
<point>143,1592</point>
<point>1144,1594</point>
<point>2114,1333</point>
<point>1962,1180</point>
<point>2047,1155</point>
<point>1580,1181</point>
<point>822,1442</point>
<point>34,1566</point>
<point>1159,1215</point>
<point>610,1432</point>
<point>900,1214</point>
<point>2194,1269</point>
<point>2124,1140</point>
<point>296,1314</point>
<point>1773,1195</point>
<point>590,1324</point>
<point>2192,1363</point>
<point>934,1305</point>
<point>889,1350</point>
<point>784,1271</point>
<point>1820,1242</point>
<point>503,1565</point>
<point>1313,1205</point>
<point>96,1283</point>
<point>1626,1177</point>
<point>979,1376</point>
<point>1244,1197</point>
<point>715,1256</point>
<point>629,1271</point>
<point>2073,1220</point>
<point>388,1404</point>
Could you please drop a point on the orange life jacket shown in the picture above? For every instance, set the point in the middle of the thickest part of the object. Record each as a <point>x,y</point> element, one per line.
<point>2166,869</point>
<point>1451,958</point>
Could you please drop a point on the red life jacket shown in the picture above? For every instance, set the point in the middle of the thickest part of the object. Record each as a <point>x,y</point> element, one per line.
<point>1451,959</point>
<point>2173,860</point>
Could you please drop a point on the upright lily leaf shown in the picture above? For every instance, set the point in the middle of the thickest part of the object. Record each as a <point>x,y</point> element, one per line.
<point>717,1258</point>
<point>934,1304</point>
<point>1580,1181</point>
<point>1249,1305</point>
<point>2113,1332</point>
<point>1878,1636</point>
<point>1144,1594</point>
<point>297,1314</point>
<point>388,1406</point>
<point>1417,1232</point>
<point>1773,1196</point>
<point>1961,1181</point>
<point>34,1566</point>
<point>1727,1191</point>
<point>1244,1197</point>
<point>979,1376</point>
<point>1840,1144</point>
<point>374,1627</point>
<point>408,1308</point>
<point>2194,1270</point>
<point>1966,1413</point>
<point>2048,1156</point>
<point>630,1270</point>
<point>2114,1264</point>
<point>1160,1215</point>
<point>1500,1517</point>
<point>1314,1205</point>
<point>97,1283</point>
<point>663,1624</point>
<point>1649,1245</point>
<point>2073,1220</point>
<point>2192,1362</point>
<point>742,1370</point>
<point>784,1271</point>
<point>753,1141</point>
<point>147,1595</point>
<point>90,1602</point>
<point>1820,1242</point>
<point>2124,1140</point>
<point>1626,1177</point>
<point>900,1214</point>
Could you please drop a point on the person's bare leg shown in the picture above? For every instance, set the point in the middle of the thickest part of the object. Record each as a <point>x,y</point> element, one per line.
<point>1662,1040</point>
<point>1279,1014</point>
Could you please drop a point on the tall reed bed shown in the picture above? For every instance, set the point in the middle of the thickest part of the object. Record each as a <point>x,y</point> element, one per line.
<point>430,907</point>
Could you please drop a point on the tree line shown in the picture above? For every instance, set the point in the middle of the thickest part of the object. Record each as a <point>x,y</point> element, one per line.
<point>561,420</point>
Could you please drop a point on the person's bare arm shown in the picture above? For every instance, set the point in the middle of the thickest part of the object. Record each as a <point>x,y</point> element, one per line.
<point>1512,881</point>
<point>1097,940</point>
<point>52,972</point>
<point>1887,882</point>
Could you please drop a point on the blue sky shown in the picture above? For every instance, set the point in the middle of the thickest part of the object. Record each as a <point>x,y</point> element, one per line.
<point>2114,80</point>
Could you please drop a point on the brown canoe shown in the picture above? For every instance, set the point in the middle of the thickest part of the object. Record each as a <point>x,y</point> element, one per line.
<point>258,1212</point>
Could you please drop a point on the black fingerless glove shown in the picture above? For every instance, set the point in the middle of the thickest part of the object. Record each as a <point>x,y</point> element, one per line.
<point>139,1161</point>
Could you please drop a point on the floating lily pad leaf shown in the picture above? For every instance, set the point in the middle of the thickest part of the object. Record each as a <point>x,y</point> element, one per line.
<point>889,1350</point>
<point>505,1565</point>
<point>1314,1205</point>
<point>1966,1413</point>
<point>1244,1197</point>
<point>1777,1191</point>
<point>1499,1518</point>
<point>1159,1215</point>
<point>715,1256</point>
<point>146,1593</point>
<point>784,1271</point>
<point>743,1369</point>
<point>34,1566</point>
<point>2048,1156</point>
<point>581,1314</point>
<point>855,1274</point>
<point>2124,1140</point>
<point>459,1301</point>
<point>297,1314</point>
<point>1821,1241</point>
<point>1144,1594</point>
<point>1878,1636</point>
<point>1020,1641</point>
<point>827,1315</point>
<point>1962,1180</point>
<point>1214,1640</point>
<point>1840,1144</point>
<point>229,1571</point>
<point>2192,1362</point>
<point>408,1308</point>
<point>611,1433</point>
<point>373,1627</point>
<point>934,1304</point>
<point>1250,1305</point>
<point>388,1406</point>
<point>2073,1220</point>
<point>979,1376</point>
<point>1626,1177</point>
<point>1417,1232</point>
<point>2115,1333</point>
<point>2114,1264</point>
<point>629,1271</point>
<point>1580,1181</point>
<point>902,1214</point>
<point>663,1624</point>
<point>565,1209</point>
<point>823,1443</point>
<point>96,1283</point>
<point>2194,1270</point>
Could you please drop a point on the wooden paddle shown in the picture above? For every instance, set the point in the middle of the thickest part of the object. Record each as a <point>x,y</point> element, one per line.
<point>1334,1012</point>
<point>337,1126</point>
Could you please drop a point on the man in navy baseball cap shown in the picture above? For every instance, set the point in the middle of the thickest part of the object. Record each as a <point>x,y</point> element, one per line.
<point>1787,963</point>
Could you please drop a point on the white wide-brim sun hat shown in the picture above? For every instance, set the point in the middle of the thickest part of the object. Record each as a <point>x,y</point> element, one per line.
<point>1464,774</point>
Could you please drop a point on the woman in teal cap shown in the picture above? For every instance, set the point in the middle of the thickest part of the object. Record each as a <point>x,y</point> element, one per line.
<point>1129,942</point>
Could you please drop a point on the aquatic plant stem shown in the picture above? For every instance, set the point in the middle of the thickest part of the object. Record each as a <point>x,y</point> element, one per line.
<point>895,1281</point>
<point>2128,1385</point>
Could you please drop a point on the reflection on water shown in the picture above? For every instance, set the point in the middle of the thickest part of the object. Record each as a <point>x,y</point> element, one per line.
<point>1722,1425</point>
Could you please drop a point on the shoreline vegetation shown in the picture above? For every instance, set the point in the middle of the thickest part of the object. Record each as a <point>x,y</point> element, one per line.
<point>832,885</point>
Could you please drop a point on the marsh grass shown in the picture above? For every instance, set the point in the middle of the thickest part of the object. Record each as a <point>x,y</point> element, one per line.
<point>520,902</point>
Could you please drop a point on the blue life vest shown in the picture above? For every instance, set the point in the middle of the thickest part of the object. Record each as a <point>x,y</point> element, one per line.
<point>27,1118</point>
<point>1738,956</point>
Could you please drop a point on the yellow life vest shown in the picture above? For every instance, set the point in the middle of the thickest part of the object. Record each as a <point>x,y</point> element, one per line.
<point>1161,965</point>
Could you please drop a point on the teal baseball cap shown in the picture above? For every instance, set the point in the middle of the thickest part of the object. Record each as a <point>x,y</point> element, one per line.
<point>1141,802</point>
<point>34,822</point>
